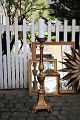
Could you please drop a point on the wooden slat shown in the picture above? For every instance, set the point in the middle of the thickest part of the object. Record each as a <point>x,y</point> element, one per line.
<point>1,66</point>
<point>32,31</point>
<point>16,53</point>
<point>21,69</point>
<point>25,53</point>
<point>29,53</point>
<point>13,69</point>
<point>73,30</point>
<point>5,86</point>
<point>57,31</point>
<point>29,28</point>
<point>49,31</point>
<point>8,52</point>
<point>65,30</point>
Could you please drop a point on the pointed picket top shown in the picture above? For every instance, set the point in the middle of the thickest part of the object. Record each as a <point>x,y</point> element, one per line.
<point>25,53</point>
<point>73,29</point>
<point>33,31</point>
<point>16,52</point>
<point>1,64</point>
<point>57,30</point>
<point>8,51</point>
<point>65,30</point>
<point>49,31</point>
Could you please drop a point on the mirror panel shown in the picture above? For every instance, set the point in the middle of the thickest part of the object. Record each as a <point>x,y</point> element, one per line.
<point>55,50</point>
<point>50,82</point>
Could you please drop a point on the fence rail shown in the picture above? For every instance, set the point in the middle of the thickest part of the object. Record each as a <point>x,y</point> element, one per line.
<point>13,66</point>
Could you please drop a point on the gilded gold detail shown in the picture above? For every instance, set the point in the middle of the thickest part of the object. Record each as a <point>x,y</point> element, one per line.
<point>41,104</point>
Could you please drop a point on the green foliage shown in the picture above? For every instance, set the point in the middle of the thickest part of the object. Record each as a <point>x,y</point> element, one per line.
<point>53,37</point>
<point>32,9</point>
<point>68,9</point>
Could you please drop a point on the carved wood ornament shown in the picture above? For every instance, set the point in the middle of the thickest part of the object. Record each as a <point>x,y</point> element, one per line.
<point>72,66</point>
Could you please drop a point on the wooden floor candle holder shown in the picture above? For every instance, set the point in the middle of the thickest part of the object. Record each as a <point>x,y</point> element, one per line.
<point>41,103</point>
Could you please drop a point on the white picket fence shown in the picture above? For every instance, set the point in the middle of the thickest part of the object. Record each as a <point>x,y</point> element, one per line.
<point>13,66</point>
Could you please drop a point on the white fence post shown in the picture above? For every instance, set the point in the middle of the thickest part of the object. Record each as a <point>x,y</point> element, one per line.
<point>16,53</point>
<point>57,31</point>
<point>1,66</point>
<point>65,30</point>
<point>73,30</point>
<point>33,30</point>
<point>8,51</point>
<point>25,53</point>
<point>13,69</point>
<point>49,31</point>
<point>21,69</point>
<point>5,86</point>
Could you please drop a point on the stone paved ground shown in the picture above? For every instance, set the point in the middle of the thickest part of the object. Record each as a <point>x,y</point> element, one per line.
<point>16,105</point>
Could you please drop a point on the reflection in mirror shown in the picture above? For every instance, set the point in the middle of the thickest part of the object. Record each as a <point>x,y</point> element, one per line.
<point>55,50</point>
<point>50,82</point>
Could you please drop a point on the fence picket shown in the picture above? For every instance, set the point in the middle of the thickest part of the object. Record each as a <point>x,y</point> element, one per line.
<point>5,84</point>
<point>8,52</point>
<point>49,31</point>
<point>13,69</point>
<point>25,53</point>
<point>21,69</point>
<point>32,31</point>
<point>16,53</point>
<point>65,30</point>
<point>73,30</point>
<point>57,31</point>
<point>29,53</point>
<point>1,66</point>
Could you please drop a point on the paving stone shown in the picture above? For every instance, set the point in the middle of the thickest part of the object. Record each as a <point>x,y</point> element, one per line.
<point>56,113</point>
<point>26,109</point>
<point>57,108</point>
<point>30,118</point>
<point>2,105</point>
<point>44,113</point>
<point>16,114</point>
<point>67,104</point>
<point>66,108</point>
<point>58,104</point>
<point>23,114</point>
<point>77,108</point>
<point>9,97</point>
<point>4,100</point>
<point>65,113</point>
<point>12,118</point>
<point>51,118</point>
<point>13,101</point>
<point>75,112</point>
<point>23,100</point>
<point>62,118</point>
<point>73,117</point>
<point>4,109</point>
<point>4,118</point>
<point>9,105</point>
<point>22,119</point>
<point>40,118</point>
<point>5,114</point>
<point>32,114</point>
<point>13,109</point>
<point>19,107</point>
